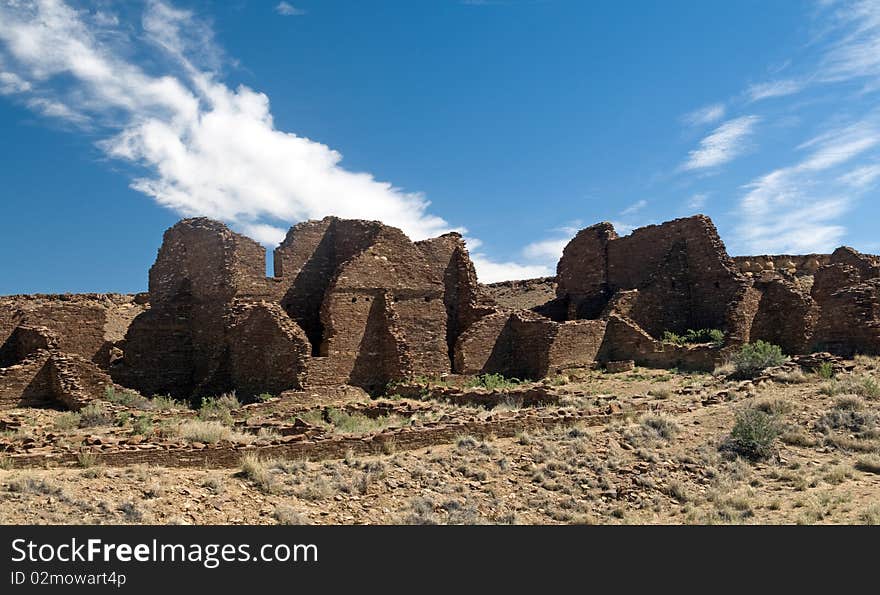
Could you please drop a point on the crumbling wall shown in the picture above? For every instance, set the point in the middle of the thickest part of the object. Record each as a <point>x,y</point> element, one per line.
<point>86,324</point>
<point>158,352</point>
<point>868,266</point>
<point>486,346</point>
<point>522,344</point>
<point>849,309</point>
<point>625,340</point>
<point>463,299</point>
<point>75,381</point>
<point>51,378</point>
<point>701,279</point>
<point>308,261</point>
<point>786,316</point>
<point>664,301</point>
<point>582,279</point>
<point>792,264</point>
<point>526,294</point>
<point>384,314</point>
<point>27,383</point>
<point>25,340</point>
<point>268,351</point>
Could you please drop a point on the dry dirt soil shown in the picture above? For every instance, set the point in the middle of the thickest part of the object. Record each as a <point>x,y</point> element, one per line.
<point>675,464</point>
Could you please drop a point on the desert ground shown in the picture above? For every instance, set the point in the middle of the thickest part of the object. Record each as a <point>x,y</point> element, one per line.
<point>663,450</point>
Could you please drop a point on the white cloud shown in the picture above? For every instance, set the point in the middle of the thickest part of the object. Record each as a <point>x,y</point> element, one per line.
<point>490,271</point>
<point>546,250</point>
<point>623,228</point>
<point>12,83</point>
<point>205,149</point>
<point>288,10</point>
<point>774,89</point>
<point>697,201</point>
<point>856,52</point>
<point>634,208</point>
<point>796,208</point>
<point>705,115</point>
<point>724,144</point>
<point>55,109</point>
<point>861,177</point>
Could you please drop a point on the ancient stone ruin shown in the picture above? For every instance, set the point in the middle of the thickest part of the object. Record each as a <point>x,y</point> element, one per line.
<point>358,303</point>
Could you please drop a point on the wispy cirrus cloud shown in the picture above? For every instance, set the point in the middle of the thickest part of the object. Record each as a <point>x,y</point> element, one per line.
<point>286,9</point>
<point>855,52</point>
<point>697,201</point>
<point>798,208</point>
<point>634,208</point>
<point>708,114</point>
<point>780,88</point>
<point>724,144</point>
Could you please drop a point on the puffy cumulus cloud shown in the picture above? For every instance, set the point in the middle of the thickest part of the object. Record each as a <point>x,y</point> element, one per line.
<point>204,148</point>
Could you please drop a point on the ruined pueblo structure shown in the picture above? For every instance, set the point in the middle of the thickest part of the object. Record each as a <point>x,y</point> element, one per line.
<point>358,303</point>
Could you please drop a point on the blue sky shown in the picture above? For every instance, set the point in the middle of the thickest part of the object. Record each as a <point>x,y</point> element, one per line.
<point>516,122</point>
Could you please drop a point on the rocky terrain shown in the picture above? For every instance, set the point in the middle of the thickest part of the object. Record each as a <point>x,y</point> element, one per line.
<point>656,448</point>
<point>372,379</point>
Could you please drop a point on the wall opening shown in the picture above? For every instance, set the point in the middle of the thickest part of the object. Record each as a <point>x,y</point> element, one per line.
<point>270,263</point>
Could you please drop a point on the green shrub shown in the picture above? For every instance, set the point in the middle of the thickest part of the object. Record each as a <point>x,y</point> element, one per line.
<point>67,421</point>
<point>219,408</point>
<point>825,370</point>
<point>753,435</point>
<point>166,402</point>
<point>754,358</point>
<point>142,425</point>
<point>864,386</point>
<point>695,337</point>
<point>492,382</point>
<point>92,415</point>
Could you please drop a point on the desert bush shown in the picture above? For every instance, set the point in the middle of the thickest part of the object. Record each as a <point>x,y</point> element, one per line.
<point>695,337</point>
<point>772,405</point>
<point>219,408</point>
<point>798,437</point>
<point>86,459</point>
<point>33,485</point>
<point>849,403</point>
<point>94,414</point>
<point>864,386</point>
<point>870,515</point>
<point>850,420</point>
<point>493,382</point>
<point>67,421</point>
<point>126,398</point>
<point>142,425</point>
<point>258,470</point>
<point>662,426</point>
<point>825,370</point>
<point>286,515</point>
<point>166,402</point>
<point>754,358</point>
<point>754,434</point>
<point>131,512</point>
<point>868,464</point>
<point>793,377</point>
<point>353,423</point>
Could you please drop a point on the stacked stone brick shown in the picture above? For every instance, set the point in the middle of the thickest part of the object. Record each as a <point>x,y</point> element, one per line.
<point>358,303</point>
